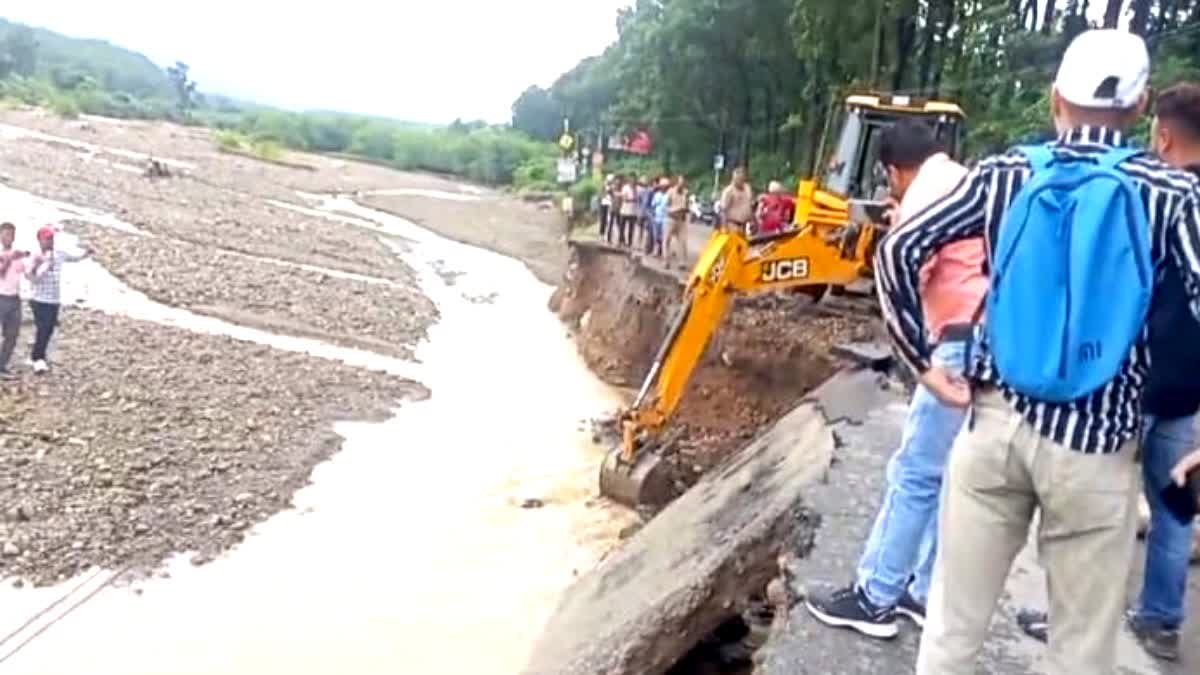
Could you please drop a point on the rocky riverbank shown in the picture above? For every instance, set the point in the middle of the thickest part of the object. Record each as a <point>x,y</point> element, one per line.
<point>146,440</point>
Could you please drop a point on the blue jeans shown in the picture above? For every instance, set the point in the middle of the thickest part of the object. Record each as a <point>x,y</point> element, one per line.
<point>1168,544</point>
<point>903,541</point>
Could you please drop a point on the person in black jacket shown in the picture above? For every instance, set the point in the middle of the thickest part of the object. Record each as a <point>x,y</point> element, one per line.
<point>1172,398</point>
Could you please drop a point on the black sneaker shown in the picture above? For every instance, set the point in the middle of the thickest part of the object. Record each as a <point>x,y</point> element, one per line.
<point>1034,623</point>
<point>850,608</point>
<point>909,608</point>
<point>1157,640</point>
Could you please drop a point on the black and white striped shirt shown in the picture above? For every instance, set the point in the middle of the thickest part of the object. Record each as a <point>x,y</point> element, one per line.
<point>1100,422</point>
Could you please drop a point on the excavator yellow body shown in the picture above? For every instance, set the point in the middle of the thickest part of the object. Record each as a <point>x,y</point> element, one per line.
<point>831,243</point>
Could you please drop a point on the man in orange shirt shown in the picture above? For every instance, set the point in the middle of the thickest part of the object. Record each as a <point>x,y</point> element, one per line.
<point>895,571</point>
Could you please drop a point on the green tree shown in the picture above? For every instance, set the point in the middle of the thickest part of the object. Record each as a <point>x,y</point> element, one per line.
<point>18,51</point>
<point>185,88</point>
<point>537,113</point>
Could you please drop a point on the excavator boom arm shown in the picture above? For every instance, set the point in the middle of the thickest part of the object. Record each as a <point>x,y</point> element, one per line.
<point>733,265</point>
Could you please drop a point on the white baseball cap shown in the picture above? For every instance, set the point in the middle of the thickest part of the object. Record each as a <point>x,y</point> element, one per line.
<point>1104,69</point>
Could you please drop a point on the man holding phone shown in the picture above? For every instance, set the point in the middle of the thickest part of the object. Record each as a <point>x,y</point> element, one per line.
<point>12,267</point>
<point>1171,399</point>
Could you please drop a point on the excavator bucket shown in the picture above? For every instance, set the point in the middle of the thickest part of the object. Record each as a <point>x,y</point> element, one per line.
<point>645,480</point>
<point>633,473</point>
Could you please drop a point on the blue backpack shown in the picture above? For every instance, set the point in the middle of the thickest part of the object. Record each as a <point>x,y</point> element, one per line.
<point>1072,276</point>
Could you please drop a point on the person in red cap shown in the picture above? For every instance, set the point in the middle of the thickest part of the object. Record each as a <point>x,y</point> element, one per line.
<point>46,277</point>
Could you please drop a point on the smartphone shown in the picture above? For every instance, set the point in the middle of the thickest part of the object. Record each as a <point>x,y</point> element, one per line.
<point>1183,502</point>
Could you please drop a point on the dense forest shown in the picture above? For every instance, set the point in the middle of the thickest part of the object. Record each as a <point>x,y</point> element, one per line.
<point>756,80</point>
<point>75,76</point>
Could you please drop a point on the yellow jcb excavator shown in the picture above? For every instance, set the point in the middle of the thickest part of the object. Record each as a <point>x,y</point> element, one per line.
<point>835,229</point>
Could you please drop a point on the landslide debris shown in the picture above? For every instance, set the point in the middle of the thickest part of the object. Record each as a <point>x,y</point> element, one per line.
<point>768,353</point>
<point>146,440</point>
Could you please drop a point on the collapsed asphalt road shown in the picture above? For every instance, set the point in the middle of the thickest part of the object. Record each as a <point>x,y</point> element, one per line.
<point>652,602</point>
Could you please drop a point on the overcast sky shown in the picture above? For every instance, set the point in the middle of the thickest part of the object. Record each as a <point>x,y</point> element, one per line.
<point>421,61</point>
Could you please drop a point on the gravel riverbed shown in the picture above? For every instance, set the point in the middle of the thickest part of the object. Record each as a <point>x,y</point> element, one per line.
<point>146,440</point>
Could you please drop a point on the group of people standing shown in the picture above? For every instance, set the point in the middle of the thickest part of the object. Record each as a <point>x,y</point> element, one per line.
<point>652,216</point>
<point>647,215</point>
<point>997,435</point>
<point>42,270</point>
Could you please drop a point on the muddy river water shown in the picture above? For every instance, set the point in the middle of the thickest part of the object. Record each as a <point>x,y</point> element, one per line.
<point>410,552</point>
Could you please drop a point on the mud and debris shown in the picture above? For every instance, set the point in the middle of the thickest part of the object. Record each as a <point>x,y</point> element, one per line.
<point>767,354</point>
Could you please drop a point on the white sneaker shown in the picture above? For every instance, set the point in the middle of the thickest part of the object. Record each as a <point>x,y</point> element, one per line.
<point>40,366</point>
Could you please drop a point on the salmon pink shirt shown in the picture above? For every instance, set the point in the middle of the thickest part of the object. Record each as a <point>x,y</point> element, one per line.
<point>10,281</point>
<point>953,282</point>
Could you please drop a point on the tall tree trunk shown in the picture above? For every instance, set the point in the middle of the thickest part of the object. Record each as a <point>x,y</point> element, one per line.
<point>906,37</point>
<point>1141,17</point>
<point>1048,16</point>
<point>952,15</point>
<point>1029,15</point>
<point>928,44</point>
<point>877,47</point>
<point>1112,13</point>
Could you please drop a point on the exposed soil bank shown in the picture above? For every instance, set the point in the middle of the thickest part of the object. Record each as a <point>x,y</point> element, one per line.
<point>770,351</point>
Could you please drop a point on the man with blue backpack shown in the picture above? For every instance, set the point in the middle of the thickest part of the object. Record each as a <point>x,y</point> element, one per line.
<point>1075,232</point>
<point>1171,400</point>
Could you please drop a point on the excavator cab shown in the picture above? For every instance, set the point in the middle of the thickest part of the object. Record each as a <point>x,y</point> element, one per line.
<point>853,170</point>
<point>830,245</point>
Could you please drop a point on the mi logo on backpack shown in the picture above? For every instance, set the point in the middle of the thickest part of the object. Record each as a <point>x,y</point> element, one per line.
<point>1071,272</point>
<point>1089,351</point>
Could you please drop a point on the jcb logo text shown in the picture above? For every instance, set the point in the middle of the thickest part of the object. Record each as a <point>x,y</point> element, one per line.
<point>783,270</point>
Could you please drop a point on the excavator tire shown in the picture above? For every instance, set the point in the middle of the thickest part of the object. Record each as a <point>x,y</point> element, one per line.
<point>645,482</point>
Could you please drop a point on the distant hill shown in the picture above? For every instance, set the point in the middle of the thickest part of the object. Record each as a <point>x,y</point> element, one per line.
<point>117,69</point>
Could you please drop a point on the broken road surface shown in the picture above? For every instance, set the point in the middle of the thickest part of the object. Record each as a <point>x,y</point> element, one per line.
<point>683,574</point>
<point>868,432</point>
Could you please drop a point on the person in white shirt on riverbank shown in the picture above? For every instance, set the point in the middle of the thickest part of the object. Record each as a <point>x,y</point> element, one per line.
<point>45,275</point>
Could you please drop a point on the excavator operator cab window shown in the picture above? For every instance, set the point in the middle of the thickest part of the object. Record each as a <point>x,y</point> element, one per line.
<point>854,170</point>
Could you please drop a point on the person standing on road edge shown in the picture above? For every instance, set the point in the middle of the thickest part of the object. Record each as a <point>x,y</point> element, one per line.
<point>646,206</point>
<point>643,215</point>
<point>46,276</point>
<point>628,212</point>
<point>606,203</point>
<point>737,202</point>
<point>896,567</point>
<point>1055,411</point>
<point>661,206</point>
<point>1172,399</point>
<point>12,268</point>
<point>677,221</point>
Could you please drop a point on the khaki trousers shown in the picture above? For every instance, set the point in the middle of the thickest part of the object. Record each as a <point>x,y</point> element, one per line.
<point>999,473</point>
